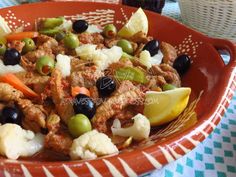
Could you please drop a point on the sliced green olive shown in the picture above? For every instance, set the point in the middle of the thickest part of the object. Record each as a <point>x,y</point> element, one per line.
<point>50,23</point>
<point>71,41</point>
<point>126,46</point>
<point>132,74</point>
<point>50,32</point>
<point>166,87</point>
<point>29,45</point>
<point>110,31</point>
<point>2,48</point>
<point>78,125</point>
<point>44,65</point>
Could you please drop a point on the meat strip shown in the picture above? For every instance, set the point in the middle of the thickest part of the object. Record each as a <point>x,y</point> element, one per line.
<point>33,114</point>
<point>169,53</point>
<point>59,142</point>
<point>115,105</point>
<point>9,93</point>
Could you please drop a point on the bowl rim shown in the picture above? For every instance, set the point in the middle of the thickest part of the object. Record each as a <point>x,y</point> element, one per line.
<point>144,154</point>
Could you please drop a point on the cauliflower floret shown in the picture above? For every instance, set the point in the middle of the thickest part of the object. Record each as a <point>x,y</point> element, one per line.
<point>93,29</point>
<point>16,142</point>
<point>63,64</point>
<point>146,59</point>
<point>91,145</point>
<point>139,130</point>
<point>4,69</point>
<point>66,25</point>
<point>102,58</point>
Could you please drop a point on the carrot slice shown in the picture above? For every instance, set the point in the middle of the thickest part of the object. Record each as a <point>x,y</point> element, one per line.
<point>17,84</point>
<point>21,35</point>
<point>76,90</point>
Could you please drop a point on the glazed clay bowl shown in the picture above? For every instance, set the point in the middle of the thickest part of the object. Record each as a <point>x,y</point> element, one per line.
<point>212,83</point>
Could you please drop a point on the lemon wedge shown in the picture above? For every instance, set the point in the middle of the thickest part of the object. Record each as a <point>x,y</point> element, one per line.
<point>163,107</point>
<point>137,22</point>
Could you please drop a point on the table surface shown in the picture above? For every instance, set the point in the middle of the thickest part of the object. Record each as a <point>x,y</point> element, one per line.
<point>216,155</point>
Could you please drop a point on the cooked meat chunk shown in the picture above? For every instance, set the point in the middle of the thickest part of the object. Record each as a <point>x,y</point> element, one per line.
<point>34,55</point>
<point>115,105</point>
<point>56,87</point>
<point>27,64</point>
<point>30,78</point>
<point>139,50</point>
<point>53,122</point>
<point>109,43</point>
<point>8,93</point>
<point>65,109</point>
<point>86,78</point>
<point>126,113</point>
<point>64,106</point>
<point>18,45</point>
<point>140,37</point>
<point>46,42</point>
<point>169,53</point>
<point>91,38</point>
<point>59,142</point>
<point>170,74</point>
<point>33,114</point>
<point>125,86</point>
<point>79,65</point>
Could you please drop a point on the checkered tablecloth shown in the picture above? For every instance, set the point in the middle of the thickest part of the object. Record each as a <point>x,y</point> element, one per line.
<point>215,156</point>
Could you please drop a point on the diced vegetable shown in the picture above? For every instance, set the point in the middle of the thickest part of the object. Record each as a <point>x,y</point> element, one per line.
<point>50,32</point>
<point>132,74</point>
<point>50,23</point>
<point>18,84</point>
<point>21,35</point>
<point>76,90</point>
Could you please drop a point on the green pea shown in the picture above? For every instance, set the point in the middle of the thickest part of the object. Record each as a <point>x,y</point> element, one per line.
<point>71,41</point>
<point>44,65</point>
<point>29,45</point>
<point>126,46</point>
<point>59,36</point>
<point>78,125</point>
<point>110,31</point>
<point>166,87</point>
<point>2,48</point>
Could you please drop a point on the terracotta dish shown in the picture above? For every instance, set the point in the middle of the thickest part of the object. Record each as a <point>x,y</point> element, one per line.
<point>212,83</point>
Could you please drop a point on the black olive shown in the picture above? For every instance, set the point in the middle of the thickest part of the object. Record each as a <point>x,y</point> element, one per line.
<point>80,26</point>
<point>10,115</point>
<point>11,57</point>
<point>84,105</point>
<point>105,86</point>
<point>152,46</point>
<point>182,64</point>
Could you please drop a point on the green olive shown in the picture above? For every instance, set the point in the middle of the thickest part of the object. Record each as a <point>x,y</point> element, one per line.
<point>166,87</point>
<point>3,40</point>
<point>29,45</point>
<point>109,31</point>
<point>59,36</point>
<point>126,46</point>
<point>71,41</point>
<point>2,48</point>
<point>44,65</point>
<point>78,125</point>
